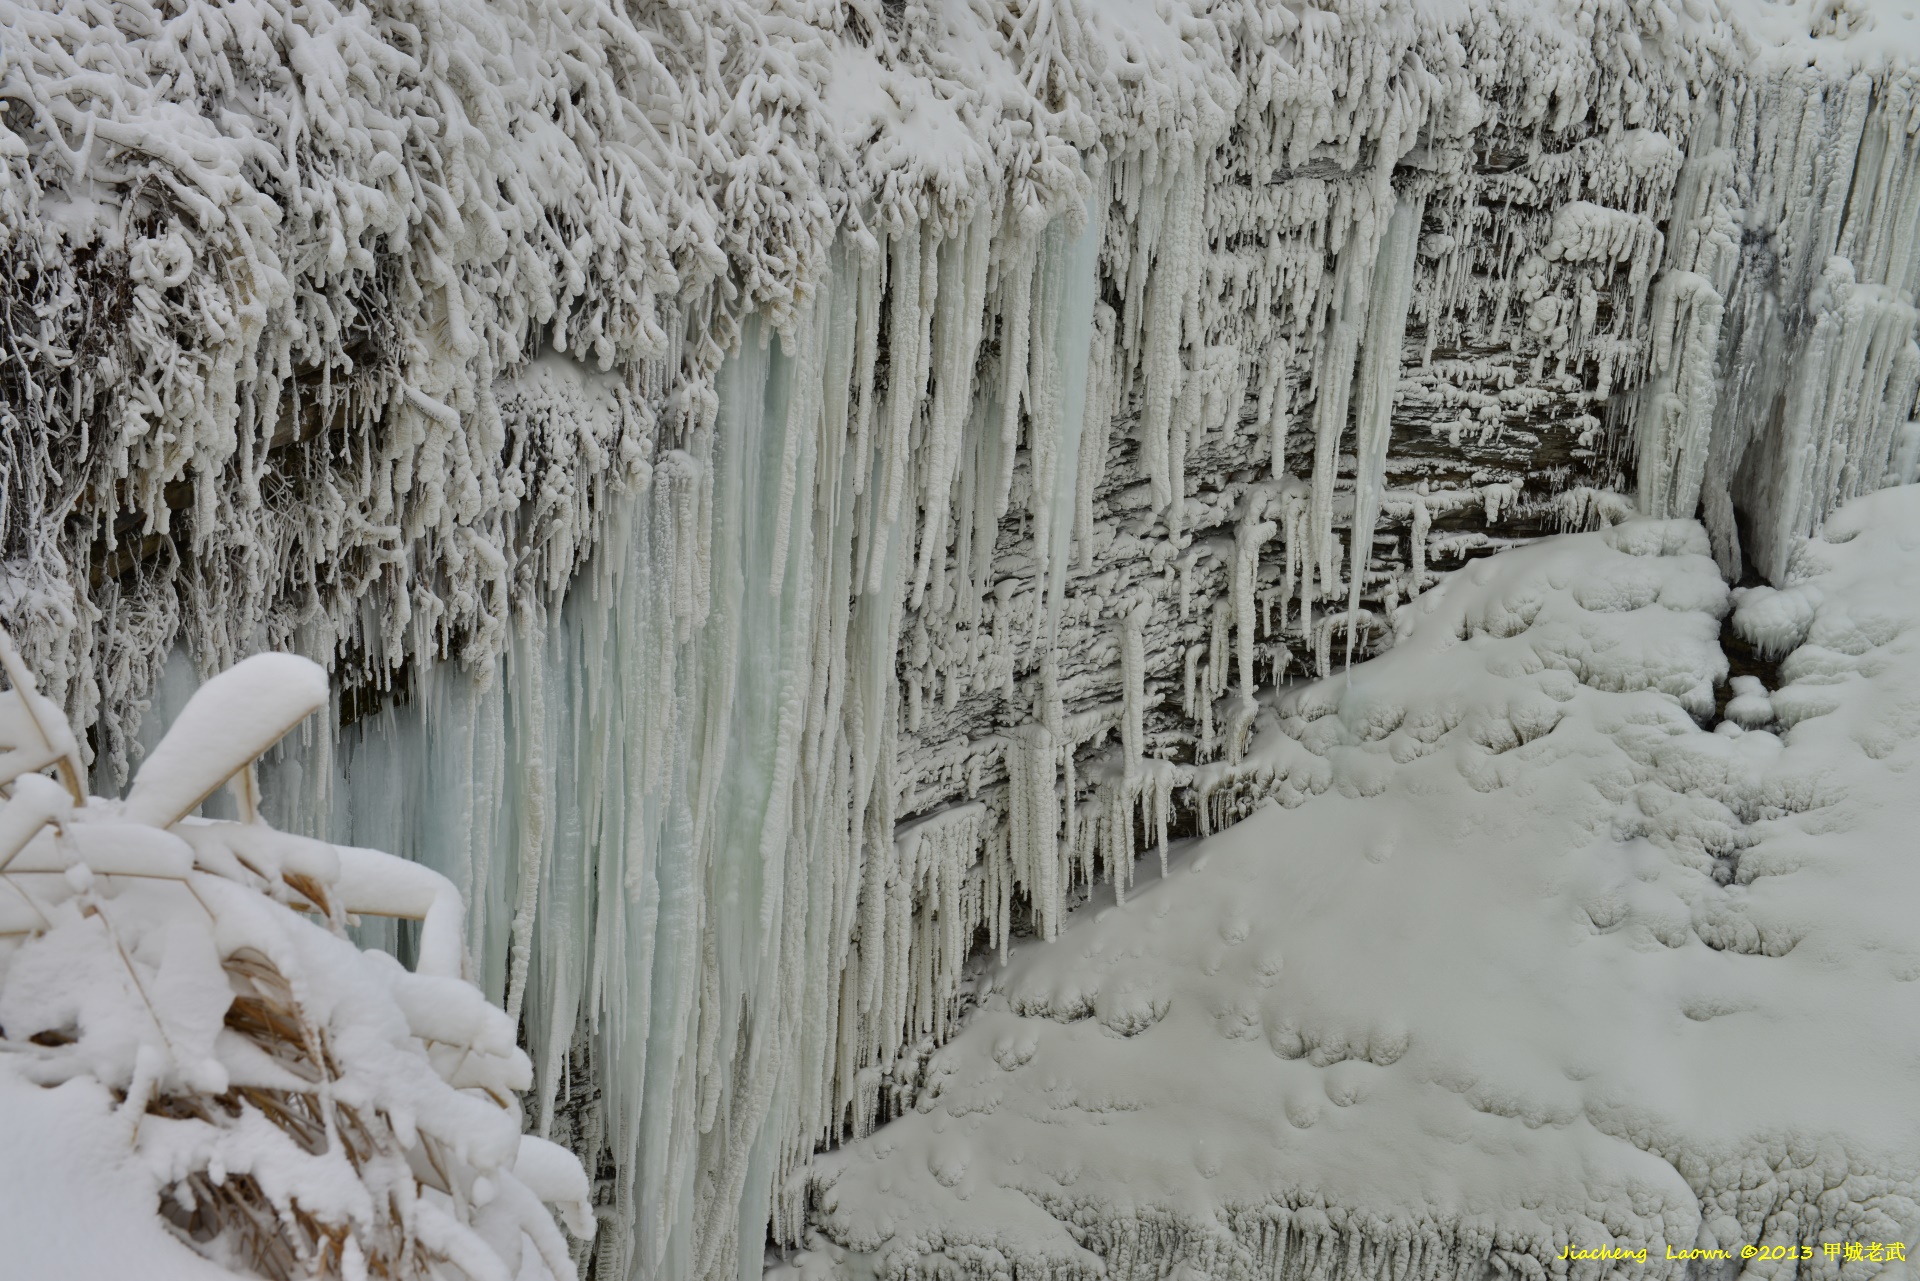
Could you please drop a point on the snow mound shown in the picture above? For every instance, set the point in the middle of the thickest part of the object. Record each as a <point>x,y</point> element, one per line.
<point>1527,960</point>
<point>188,1041</point>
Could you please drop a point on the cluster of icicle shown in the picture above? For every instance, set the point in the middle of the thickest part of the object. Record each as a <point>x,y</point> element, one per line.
<point>266,262</point>
<point>985,439</point>
<point>298,1107</point>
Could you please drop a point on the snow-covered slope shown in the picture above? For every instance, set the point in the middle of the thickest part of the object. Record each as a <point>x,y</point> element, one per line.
<point>1525,960</point>
<point>781,485</point>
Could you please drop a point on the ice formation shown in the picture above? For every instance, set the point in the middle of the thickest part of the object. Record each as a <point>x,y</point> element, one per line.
<point>786,490</point>
<point>180,1037</point>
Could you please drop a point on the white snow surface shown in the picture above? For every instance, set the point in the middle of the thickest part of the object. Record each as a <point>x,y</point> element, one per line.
<point>1525,958</point>
<point>74,1203</point>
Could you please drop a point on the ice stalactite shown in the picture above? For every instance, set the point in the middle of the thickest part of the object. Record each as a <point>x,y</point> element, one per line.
<point>1079,398</point>
<point>675,807</point>
<point>1674,425</point>
<point>1673,429</point>
<point>1160,290</point>
<point>956,338</point>
<point>1252,534</point>
<point>1375,384</point>
<point>633,768</point>
<point>1817,365</point>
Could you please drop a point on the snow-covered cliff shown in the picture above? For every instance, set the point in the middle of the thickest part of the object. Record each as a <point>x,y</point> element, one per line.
<point>789,490</point>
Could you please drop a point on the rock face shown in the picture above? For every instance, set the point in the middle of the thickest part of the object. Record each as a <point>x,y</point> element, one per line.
<point>790,492</point>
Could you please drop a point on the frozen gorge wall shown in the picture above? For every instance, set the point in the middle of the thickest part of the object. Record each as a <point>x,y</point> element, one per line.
<point>787,490</point>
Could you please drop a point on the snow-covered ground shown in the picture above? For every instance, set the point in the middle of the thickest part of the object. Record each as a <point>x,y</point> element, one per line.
<point>1528,960</point>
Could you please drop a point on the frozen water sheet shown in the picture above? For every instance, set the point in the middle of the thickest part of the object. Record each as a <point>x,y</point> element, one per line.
<point>1527,959</point>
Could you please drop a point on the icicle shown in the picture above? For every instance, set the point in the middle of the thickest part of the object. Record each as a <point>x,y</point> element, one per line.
<point>1047,457</point>
<point>1677,418</point>
<point>1016,334</point>
<point>1168,299</point>
<point>871,283</point>
<point>1219,650</point>
<point>1249,538</point>
<point>915,280</point>
<point>1101,380</point>
<point>1275,395</point>
<point>1075,378</point>
<point>1133,676</point>
<point>1417,554</point>
<point>957,322</point>
<point>535,843</point>
<point>1333,388</point>
<point>1377,378</point>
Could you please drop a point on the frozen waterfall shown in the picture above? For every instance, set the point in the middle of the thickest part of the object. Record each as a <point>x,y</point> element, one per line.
<point>796,497</point>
